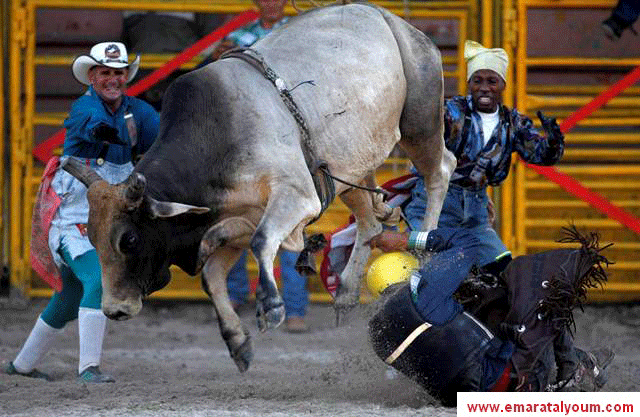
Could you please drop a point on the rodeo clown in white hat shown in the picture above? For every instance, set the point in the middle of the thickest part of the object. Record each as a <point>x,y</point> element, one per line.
<point>106,130</point>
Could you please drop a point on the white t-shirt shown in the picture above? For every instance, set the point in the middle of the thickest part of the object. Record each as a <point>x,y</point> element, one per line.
<point>489,123</point>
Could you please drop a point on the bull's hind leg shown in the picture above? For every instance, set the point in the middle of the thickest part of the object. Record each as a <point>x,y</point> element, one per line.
<point>436,163</point>
<point>361,204</point>
<point>286,214</point>
<point>214,282</point>
<point>422,121</point>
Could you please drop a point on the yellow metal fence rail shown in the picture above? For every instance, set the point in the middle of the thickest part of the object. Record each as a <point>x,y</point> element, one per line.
<point>3,194</point>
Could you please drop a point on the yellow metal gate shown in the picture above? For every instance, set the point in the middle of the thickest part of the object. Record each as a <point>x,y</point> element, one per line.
<point>602,151</point>
<point>24,60</point>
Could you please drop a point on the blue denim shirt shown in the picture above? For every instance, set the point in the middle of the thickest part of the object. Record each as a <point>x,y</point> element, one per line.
<point>89,111</point>
<point>86,113</point>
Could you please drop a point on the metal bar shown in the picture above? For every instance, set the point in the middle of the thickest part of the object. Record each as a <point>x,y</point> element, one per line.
<point>520,210</point>
<point>573,4</point>
<point>590,90</point>
<point>572,61</point>
<point>505,196</point>
<point>462,68</point>
<point>49,119</point>
<point>417,8</point>
<point>559,223</point>
<point>17,39</point>
<point>3,194</point>
<point>623,170</point>
<point>602,113</point>
<point>472,30</point>
<point>624,155</point>
<point>611,121</point>
<point>29,109</point>
<point>487,23</point>
<point>595,185</point>
<point>521,83</point>
<point>620,287</point>
<point>536,102</point>
<point>577,203</point>
<point>604,137</point>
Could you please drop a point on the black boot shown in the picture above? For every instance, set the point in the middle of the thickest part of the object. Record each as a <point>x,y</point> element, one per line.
<point>591,374</point>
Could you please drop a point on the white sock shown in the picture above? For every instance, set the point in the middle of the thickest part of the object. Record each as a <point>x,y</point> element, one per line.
<point>36,346</point>
<point>91,326</point>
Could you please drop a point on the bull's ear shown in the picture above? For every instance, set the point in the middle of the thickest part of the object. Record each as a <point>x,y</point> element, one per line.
<point>165,209</point>
<point>83,173</point>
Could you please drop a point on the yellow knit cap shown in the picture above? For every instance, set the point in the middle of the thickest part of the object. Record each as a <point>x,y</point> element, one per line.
<point>478,57</point>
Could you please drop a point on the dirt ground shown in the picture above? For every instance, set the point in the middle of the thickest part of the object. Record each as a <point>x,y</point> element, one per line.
<point>171,361</point>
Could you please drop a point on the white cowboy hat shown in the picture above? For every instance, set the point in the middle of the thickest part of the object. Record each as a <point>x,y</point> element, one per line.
<point>108,54</point>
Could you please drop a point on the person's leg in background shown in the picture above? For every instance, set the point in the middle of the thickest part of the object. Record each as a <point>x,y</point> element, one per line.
<point>238,282</point>
<point>91,320</point>
<point>622,17</point>
<point>294,293</point>
<point>62,308</point>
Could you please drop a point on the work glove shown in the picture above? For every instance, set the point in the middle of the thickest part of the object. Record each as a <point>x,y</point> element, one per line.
<point>551,128</point>
<point>105,133</point>
<point>555,137</point>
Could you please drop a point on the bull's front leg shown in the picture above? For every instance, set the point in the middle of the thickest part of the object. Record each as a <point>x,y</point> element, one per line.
<point>214,282</point>
<point>287,211</point>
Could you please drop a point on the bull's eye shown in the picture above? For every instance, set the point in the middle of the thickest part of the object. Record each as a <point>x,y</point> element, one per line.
<point>129,242</point>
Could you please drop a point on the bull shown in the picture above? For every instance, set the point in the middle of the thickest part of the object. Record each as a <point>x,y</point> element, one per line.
<point>234,163</point>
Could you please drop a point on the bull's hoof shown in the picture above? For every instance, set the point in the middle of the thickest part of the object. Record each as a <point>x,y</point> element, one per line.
<point>343,304</point>
<point>269,314</point>
<point>243,355</point>
<point>345,301</point>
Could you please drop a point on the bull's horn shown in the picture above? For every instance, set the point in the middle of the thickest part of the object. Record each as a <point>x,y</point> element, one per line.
<point>165,209</point>
<point>83,173</point>
<point>136,184</point>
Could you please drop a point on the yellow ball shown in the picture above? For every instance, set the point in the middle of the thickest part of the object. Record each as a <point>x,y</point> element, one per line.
<point>390,268</point>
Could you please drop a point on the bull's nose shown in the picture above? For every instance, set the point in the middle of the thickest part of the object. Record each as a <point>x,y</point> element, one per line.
<point>118,315</point>
<point>121,309</point>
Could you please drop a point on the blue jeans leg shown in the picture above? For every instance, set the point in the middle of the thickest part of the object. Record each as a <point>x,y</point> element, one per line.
<point>627,11</point>
<point>238,281</point>
<point>294,285</point>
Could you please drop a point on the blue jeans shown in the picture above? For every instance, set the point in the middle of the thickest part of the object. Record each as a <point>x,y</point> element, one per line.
<point>462,208</point>
<point>294,285</point>
<point>627,11</point>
